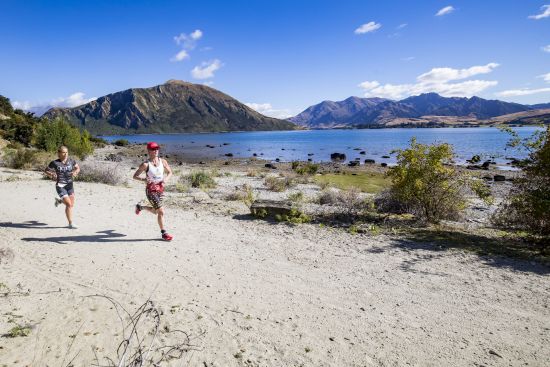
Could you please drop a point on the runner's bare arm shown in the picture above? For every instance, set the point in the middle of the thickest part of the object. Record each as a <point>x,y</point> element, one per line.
<point>139,171</point>
<point>50,173</point>
<point>168,169</point>
<point>76,170</point>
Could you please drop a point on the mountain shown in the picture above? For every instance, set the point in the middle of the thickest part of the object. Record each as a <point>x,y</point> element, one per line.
<point>382,112</point>
<point>326,113</point>
<point>173,107</point>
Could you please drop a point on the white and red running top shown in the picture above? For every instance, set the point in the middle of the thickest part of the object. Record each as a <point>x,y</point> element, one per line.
<point>155,174</point>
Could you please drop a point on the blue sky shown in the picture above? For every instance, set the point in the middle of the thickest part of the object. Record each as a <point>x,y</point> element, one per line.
<point>278,56</point>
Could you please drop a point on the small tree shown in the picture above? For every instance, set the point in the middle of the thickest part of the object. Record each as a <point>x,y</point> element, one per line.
<point>527,207</point>
<point>426,184</point>
<point>51,134</point>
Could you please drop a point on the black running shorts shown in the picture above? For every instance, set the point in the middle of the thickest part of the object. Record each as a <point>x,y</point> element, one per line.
<point>66,190</point>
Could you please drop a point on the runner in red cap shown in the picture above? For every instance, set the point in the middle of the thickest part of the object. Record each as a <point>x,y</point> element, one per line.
<point>154,169</point>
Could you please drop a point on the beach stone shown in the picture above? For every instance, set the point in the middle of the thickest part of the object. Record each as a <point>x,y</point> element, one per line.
<point>370,161</point>
<point>338,156</point>
<point>475,159</point>
<point>270,208</point>
<point>113,158</point>
<point>270,165</point>
<point>277,160</point>
<point>353,163</point>
<point>310,160</point>
<point>499,178</point>
<point>383,164</point>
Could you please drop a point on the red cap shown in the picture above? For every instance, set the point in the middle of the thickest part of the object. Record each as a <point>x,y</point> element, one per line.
<point>152,146</point>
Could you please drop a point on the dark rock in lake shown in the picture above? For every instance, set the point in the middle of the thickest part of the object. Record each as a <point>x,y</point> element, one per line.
<point>356,148</point>
<point>277,160</point>
<point>362,152</point>
<point>225,143</point>
<point>499,178</point>
<point>309,154</point>
<point>254,155</point>
<point>310,160</point>
<point>369,161</point>
<point>338,157</point>
<point>229,154</point>
<point>386,156</point>
<point>475,159</point>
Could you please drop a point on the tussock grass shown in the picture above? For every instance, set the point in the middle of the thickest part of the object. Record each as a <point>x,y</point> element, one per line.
<point>365,182</point>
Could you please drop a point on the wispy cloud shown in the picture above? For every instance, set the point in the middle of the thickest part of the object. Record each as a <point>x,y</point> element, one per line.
<point>206,69</point>
<point>187,42</point>
<point>546,77</point>
<point>401,26</point>
<point>268,110</point>
<point>438,80</point>
<point>545,13</point>
<point>368,27</point>
<point>74,100</point>
<point>522,92</point>
<point>180,56</point>
<point>444,11</point>
<point>545,48</point>
<point>410,58</point>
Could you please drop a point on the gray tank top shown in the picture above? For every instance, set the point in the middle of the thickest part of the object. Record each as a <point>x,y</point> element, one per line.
<point>63,170</point>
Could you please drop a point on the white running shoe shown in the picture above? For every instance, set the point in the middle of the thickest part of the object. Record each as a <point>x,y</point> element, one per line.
<point>73,226</point>
<point>57,202</point>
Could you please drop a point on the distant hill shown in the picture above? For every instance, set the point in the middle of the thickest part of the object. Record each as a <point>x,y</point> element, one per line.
<point>175,106</point>
<point>416,110</point>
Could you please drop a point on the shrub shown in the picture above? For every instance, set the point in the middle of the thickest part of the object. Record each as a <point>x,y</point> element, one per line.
<point>200,179</point>
<point>350,202</point>
<point>52,134</point>
<point>105,174</point>
<point>121,142</point>
<point>295,216</point>
<point>307,168</point>
<point>22,158</point>
<point>527,206</point>
<point>98,142</point>
<point>277,184</point>
<point>424,182</point>
<point>18,331</point>
<point>296,197</point>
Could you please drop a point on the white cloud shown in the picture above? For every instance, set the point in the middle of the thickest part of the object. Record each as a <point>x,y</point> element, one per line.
<point>188,41</point>
<point>437,80</point>
<point>439,75</point>
<point>268,110</point>
<point>521,92</point>
<point>401,26</point>
<point>368,27</point>
<point>446,10</point>
<point>180,56</point>
<point>546,77</point>
<point>544,14</point>
<point>546,48</point>
<point>206,69</point>
<point>197,34</point>
<point>410,58</point>
<point>75,99</point>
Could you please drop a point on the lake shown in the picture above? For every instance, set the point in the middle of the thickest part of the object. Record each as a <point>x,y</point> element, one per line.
<point>296,145</point>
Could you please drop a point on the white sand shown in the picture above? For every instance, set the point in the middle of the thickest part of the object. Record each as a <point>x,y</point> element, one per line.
<point>252,293</point>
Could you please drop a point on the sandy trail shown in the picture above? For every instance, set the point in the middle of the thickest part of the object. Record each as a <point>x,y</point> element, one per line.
<point>253,293</point>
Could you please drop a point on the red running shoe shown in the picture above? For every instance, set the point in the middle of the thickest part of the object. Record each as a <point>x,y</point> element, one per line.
<point>166,236</point>
<point>138,209</point>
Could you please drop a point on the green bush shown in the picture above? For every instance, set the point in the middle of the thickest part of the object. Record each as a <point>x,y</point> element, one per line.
<point>98,142</point>
<point>426,184</point>
<point>295,216</point>
<point>278,184</point>
<point>52,134</point>
<point>527,206</point>
<point>307,168</point>
<point>201,179</point>
<point>121,142</point>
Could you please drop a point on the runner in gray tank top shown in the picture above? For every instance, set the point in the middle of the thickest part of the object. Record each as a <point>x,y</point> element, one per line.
<point>62,171</point>
<point>155,178</point>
